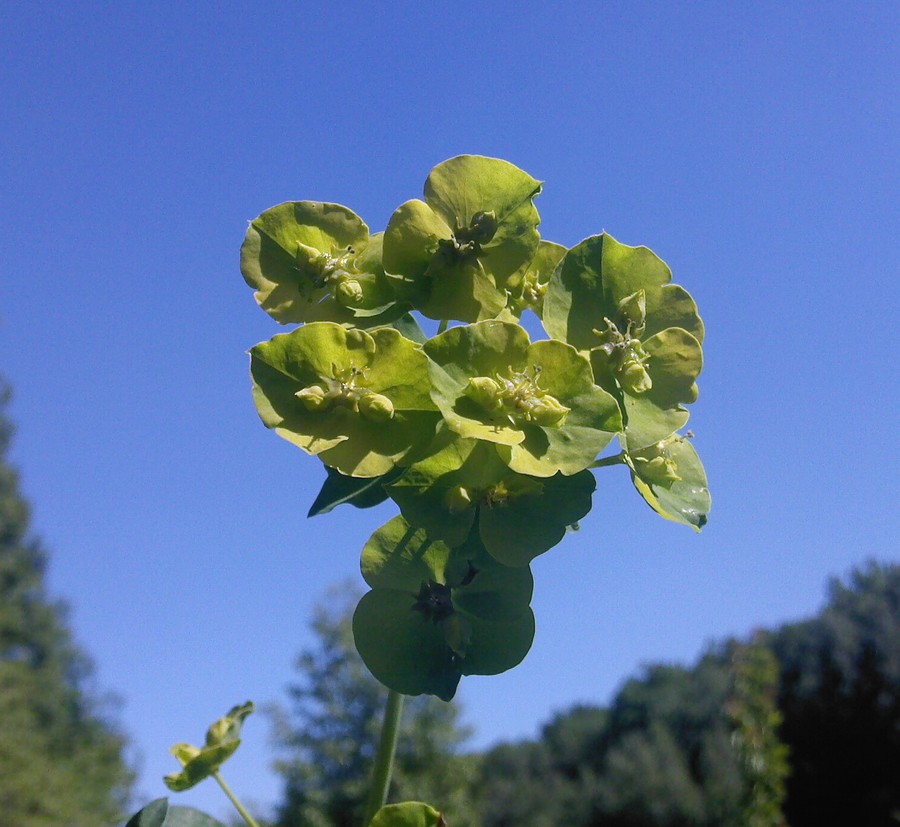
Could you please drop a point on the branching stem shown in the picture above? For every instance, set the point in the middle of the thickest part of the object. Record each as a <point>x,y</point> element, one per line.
<point>442,326</point>
<point>384,757</point>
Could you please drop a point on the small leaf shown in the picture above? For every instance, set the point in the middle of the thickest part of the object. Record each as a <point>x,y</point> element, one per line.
<point>409,327</point>
<point>362,492</point>
<point>222,739</point>
<point>408,814</point>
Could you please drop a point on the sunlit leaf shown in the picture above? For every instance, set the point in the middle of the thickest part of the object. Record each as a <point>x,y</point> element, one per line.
<point>684,500</point>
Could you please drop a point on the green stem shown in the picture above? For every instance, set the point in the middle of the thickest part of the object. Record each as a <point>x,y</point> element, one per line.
<point>233,799</point>
<point>617,459</point>
<point>442,326</point>
<point>384,757</point>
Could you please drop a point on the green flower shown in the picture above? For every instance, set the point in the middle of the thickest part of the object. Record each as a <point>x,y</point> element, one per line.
<point>463,483</point>
<point>529,295</point>
<point>643,334</point>
<point>435,614</point>
<point>222,738</point>
<point>357,400</point>
<point>537,402</point>
<point>670,478</point>
<point>455,254</point>
<point>312,261</point>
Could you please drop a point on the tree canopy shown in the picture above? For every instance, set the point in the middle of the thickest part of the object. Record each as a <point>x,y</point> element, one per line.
<point>61,758</point>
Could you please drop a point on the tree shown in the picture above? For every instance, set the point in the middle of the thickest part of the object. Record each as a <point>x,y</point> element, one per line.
<point>840,698</point>
<point>62,761</point>
<point>329,735</point>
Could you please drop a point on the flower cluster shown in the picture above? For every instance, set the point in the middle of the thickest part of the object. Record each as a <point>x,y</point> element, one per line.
<point>483,438</point>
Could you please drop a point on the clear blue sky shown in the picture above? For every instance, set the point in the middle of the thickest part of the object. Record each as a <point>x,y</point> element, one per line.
<point>752,145</point>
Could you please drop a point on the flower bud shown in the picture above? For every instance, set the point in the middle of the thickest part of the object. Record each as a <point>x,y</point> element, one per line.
<point>547,411</point>
<point>312,397</point>
<point>376,407</point>
<point>632,374</point>
<point>483,227</point>
<point>458,499</point>
<point>634,310</point>
<point>659,470</point>
<point>485,392</point>
<point>349,292</point>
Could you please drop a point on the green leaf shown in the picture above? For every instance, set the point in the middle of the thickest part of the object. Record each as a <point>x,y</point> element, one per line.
<point>529,295</point>
<point>189,817</point>
<point>672,306</point>
<point>435,614</point>
<point>591,280</point>
<point>401,648</point>
<point>222,739</point>
<point>440,492</point>
<point>516,530</point>
<point>345,365</point>
<point>461,187</point>
<point>409,328</point>
<point>408,814</point>
<point>685,500</point>
<point>297,254</point>
<point>526,375</point>
<point>644,334</point>
<point>400,556</point>
<point>454,255</point>
<point>518,516</point>
<point>153,815</point>
<point>358,491</point>
<point>675,362</point>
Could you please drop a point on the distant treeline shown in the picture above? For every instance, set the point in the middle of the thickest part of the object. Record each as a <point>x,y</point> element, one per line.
<point>662,754</point>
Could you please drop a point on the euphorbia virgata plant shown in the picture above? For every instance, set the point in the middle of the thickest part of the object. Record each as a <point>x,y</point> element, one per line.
<point>486,439</point>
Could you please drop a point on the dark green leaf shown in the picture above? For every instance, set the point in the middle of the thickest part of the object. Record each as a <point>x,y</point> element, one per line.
<point>153,815</point>
<point>189,817</point>
<point>409,327</point>
<point>361,492</point>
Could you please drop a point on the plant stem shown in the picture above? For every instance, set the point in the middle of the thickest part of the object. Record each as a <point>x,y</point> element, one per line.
<point>616,459</point>
<point>384,757</point>
<point>442,326</point>
<point>233,799</point>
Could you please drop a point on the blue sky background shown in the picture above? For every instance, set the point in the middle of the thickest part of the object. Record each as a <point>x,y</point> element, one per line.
<point>752,145</point>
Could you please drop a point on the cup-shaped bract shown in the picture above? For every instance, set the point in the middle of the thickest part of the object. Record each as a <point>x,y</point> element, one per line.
<point>457,253</point>
<point>670,478</point>
<point>435,613</point>
<point>357,400</point>
<point>536,401</point>
<point>643,333</point>
<point>463,485</point>
<point>313,261</point>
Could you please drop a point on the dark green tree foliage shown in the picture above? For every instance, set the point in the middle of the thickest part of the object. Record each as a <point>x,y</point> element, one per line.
<point>703,746</point>
<point>60,761</point>
<point>840,698</point>
<point>763,758</point>
<point>660,755</point>
<point>329,734</point>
